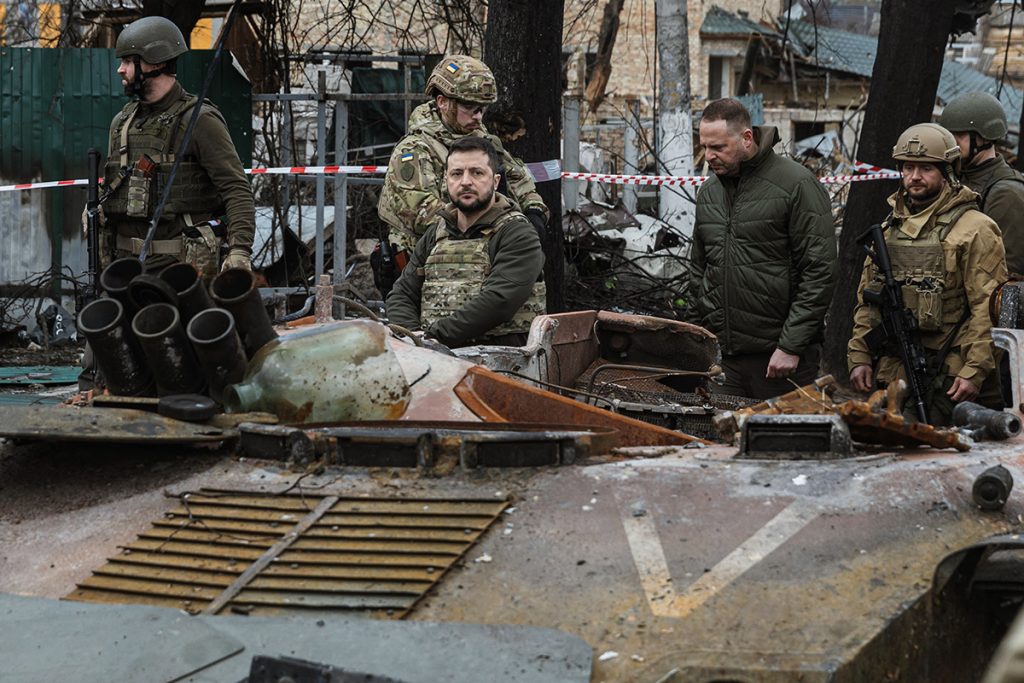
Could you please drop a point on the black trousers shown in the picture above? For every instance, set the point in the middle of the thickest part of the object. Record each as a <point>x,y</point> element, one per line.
<point>745,375</point>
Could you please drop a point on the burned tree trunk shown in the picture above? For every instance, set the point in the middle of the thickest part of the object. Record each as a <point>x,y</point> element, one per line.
<point>523,46</point>
<point>904,81</point>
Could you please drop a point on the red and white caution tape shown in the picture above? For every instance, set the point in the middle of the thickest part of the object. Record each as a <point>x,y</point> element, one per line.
<point>542,171</point>
<point>318,170</point>
<point>40,186</point>
<point>660,180</point>
<point>861,167</point>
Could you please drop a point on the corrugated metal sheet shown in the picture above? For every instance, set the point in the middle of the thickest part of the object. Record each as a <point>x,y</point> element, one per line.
<point>224,551</point>
<point>54,105</point>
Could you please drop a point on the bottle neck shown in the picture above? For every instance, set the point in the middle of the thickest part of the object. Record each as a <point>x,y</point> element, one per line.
<point>241,397</point>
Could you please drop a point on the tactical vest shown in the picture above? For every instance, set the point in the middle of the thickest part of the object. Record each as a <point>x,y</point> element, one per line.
<point>919,265</point>
<point>454,273</point>
<point>157,136</point>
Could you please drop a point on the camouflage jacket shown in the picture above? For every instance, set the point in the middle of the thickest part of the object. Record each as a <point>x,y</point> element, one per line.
<point>508,286</point>
<point>414,187</point>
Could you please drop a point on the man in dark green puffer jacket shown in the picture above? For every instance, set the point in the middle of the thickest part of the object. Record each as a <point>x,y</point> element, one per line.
<point>763,255</point>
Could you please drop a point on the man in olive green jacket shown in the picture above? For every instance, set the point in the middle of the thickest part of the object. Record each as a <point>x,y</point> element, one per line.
<point>210,183</point>
<point>473,277</point>
<point>977,120</point>
<point>762,258</point>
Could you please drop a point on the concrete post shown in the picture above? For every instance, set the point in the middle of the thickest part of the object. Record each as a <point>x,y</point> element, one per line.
<point>340,198</point>
<point>321,181</point>
<point>631,153</point>
<point>570,151</point>
<point>675,125</point>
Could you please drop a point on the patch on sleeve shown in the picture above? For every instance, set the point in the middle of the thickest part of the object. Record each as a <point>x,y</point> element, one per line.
<point>408,168</point>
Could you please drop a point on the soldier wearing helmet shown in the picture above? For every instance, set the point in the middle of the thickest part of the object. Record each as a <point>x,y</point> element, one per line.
<point>210,201</point>
<point>460,88</point>
<point>948,258</point>
<point>977,121</point>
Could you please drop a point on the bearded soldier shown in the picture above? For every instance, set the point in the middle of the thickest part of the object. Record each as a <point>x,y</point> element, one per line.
<point>473,277</point>
<point>210,200</point>
<point>947,257</point>
<point>461,87</point>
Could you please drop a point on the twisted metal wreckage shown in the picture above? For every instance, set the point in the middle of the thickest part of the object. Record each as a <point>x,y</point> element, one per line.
<point>570,510</point>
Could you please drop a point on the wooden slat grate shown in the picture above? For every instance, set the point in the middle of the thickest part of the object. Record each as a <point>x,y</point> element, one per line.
<point>231,551</point>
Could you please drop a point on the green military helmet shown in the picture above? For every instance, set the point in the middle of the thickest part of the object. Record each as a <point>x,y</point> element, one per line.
<point>928,143</point>
<point>976,112</point>
<point>155,39</point>
<point>462,77</point>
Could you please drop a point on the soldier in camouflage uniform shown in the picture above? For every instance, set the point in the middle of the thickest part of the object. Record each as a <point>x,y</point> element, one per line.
<point>977,120</point>
<point>414,187</point>
<point>210,188</point>
<point>473,277</point>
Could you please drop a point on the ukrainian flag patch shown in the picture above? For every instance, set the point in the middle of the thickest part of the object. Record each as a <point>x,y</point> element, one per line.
<point>453,67</point>
<point>408,156</point>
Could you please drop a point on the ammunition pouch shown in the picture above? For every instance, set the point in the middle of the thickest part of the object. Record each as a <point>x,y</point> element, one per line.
<point>139,191</point>
<point>201,248</point>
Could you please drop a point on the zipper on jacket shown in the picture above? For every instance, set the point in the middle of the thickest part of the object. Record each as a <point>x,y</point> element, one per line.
<point>728,260</point>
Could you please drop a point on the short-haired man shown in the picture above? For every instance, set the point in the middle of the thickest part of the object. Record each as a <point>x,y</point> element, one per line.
<point>473,276</point>
<point>762,257</point>
<point>210,183</point>
<point>948,259</point>
<point>977,121</point>
<point>460,88</point>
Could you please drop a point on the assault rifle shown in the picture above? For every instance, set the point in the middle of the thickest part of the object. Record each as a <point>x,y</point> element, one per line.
<point>898,328</point>
<point>92,207</point>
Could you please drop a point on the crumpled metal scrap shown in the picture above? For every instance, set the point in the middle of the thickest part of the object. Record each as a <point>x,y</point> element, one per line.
<point>875,421</point>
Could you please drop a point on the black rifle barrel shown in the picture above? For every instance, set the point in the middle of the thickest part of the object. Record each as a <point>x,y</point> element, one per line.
<point>92,206</point>
<point>898,322</point>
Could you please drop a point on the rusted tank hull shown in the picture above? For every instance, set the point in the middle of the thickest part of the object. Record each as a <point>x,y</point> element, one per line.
<point>687,562</point>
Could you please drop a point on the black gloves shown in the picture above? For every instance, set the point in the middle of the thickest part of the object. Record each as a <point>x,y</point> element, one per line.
<point>536,216</point>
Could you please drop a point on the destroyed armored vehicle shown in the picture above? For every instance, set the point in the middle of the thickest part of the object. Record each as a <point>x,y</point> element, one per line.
<point>567,511</point>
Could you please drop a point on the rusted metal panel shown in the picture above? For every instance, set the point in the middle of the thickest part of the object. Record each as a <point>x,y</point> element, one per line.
<point>235,551</point>
<point>496,399</point>
<point>115,425</point>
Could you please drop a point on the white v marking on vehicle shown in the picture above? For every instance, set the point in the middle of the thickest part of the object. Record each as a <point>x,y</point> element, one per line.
<point>656,579</point>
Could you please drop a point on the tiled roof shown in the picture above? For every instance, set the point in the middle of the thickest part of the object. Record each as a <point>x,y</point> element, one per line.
<point>718,22</point>
<point>834,49</point>
<point>855,54</point>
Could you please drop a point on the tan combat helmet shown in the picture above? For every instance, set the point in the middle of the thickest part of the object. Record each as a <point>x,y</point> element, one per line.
<point>155,39</point>
<point>464,78</point>
<point>928,143</point>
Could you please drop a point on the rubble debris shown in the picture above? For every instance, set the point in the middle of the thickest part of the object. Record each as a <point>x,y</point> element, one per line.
<point>985,423</point>
<point>56,327</point>
<point>992,488</point>
<point>875,421</point>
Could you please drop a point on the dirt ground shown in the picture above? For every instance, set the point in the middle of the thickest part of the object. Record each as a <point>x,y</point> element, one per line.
<point>19,356</point>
